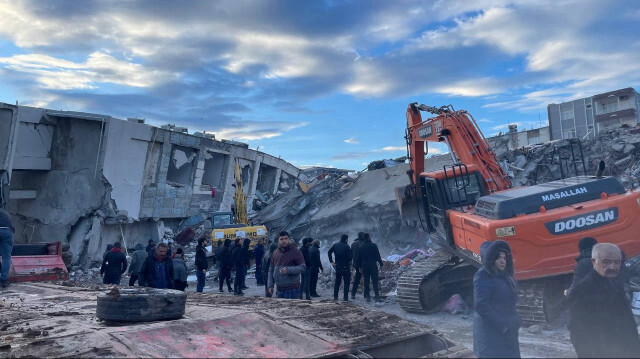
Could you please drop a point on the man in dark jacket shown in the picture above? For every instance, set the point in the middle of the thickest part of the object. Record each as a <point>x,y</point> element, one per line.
<point>238,265</point>
<point>584,265</point>
<point>227,264</point>
<point>316,267</point>
<point>157,271</point>
<point>354,253</point>
<point>150,245</point>
<point>368,256</point>
<point>114,265</point>
<point>258,253</point>
<point>218,256</point>
<point>106,251</point>
<point>6,246</point>
<point>287,263</point>
<point>496,321</point>
<point>601,323</point>
<point>266,263</point>
<point>305,280</point>
<point>137,260</point>
<point>246,257</point>
<point>201,264</point>
<point>342,266</point>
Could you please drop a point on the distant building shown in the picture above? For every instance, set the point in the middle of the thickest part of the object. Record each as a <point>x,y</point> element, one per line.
<point>523,138</point>
<point>585,117</point>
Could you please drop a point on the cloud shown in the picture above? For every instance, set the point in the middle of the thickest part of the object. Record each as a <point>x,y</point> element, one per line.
<point>354,155</point>
<point>484,120</point>
<point>352,140</point>
<point>253,130</point>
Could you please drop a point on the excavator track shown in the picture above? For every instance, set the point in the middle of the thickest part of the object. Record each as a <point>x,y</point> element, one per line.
<point>409,283</point>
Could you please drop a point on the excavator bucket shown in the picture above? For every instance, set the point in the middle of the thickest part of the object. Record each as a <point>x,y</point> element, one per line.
<point>406,201</point>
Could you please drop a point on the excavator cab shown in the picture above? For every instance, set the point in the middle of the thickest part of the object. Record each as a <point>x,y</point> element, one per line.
<point>453,188</point>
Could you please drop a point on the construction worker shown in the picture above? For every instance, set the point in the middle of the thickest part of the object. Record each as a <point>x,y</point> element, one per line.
<point>227,264</point>
<point>305,280</point>
<point>496,322</point>
<point>316,267</point>
<point>114,265</point>
<point>354,253</point>
<point>342,265</point>
<point>6,246</point>
<point>287,263</point>
<point>601,322</point>
<point>368,256</point>
<point>201,264</point>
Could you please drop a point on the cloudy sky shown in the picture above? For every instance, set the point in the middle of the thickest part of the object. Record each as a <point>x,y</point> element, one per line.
<point>316,82</point>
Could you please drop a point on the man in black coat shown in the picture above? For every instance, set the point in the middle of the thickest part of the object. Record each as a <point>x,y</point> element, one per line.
<point>368,256</point>
<point>342,265</point>
<point>601,323</point>
<point>227,264</point>
<point>150,245</point>
<point>217,254</point>
<point>584,265</point>
<point>258,253</point>
<point>354,254</point>
<point>238,265</point>
<point>246,257</point>
<point>113,265</point>
<point>201,264</point>
<point>305,278</point>
<point>266,262</point>
<point>157,271</point>
<point>316,267</point>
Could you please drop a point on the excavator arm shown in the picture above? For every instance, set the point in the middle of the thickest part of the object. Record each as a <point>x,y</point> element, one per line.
<point>464,139</point>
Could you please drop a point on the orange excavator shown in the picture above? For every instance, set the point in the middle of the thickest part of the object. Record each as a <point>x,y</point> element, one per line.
<point>473,200</point>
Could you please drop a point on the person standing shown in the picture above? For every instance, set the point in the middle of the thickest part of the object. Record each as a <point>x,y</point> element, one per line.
<point>342,265</point>
<point>266,263</point>
<point>238,264</point>
<point>258,253</point>
<point>316,267</point>
<point>496,321</point>
<point>6,246</point>
<point>114,265</point>
<point>354,253</point>
<point>368,256</point>
<point>305,280</point>
<point>201,264</point>
<point>106,251</point>
<point>137,260</point>
<point>584,265</point>
<point>179,270</point>
<point>157,271</point>
<point>247,262</point>
<point>218,256</point>
<point>150,245</point>
<point>287,263</point>
<point>601,324</point>
<point>227,263</point>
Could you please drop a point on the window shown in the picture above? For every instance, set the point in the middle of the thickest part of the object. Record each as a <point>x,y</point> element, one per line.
<point>590,131</point>
<point>533,140</point>
<point>567,114</point>
<point>569,134</point>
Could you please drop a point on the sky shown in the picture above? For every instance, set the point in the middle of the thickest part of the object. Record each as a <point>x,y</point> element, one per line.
<point>315,82</point>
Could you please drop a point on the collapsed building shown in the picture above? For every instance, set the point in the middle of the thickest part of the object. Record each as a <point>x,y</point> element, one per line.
<point>89,179</point>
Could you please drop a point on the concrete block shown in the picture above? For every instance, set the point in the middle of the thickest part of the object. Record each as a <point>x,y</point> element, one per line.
<point>179,212</point>
<point>146,212</point>
<point>149,192</point>
<point>182,203</point>
<point>157,202</point>
<point>147,202</point>
<point>171,192</point>
<point>168,202</point>
<point>161,187</point>
<point>166,212</point>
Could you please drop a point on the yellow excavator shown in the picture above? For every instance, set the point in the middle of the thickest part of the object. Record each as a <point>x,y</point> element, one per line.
<point>235,224</point>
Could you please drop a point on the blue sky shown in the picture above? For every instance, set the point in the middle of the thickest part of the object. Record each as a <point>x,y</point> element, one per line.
<point>315,82</point>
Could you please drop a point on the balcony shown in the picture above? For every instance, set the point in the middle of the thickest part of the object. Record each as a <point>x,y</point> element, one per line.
<point>619,114</point>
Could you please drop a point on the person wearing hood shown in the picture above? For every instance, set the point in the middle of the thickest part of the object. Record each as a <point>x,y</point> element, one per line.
<point>106,251</point>
<point>113,265</point>
<point>354,254</point>
<point>266,262</point>
<point>368,256</point>
<point>226,265</point>
<point>201,264</point>
<point>584,265</point>
<point>305,278</point>
<point>179,270</point>
<point>316,267</point>
<point>157,271</point>
<point>150,245</point>
<point>238,265</point>
<point>258,253</point>
<point>496,322</point>
<point>137,260</point>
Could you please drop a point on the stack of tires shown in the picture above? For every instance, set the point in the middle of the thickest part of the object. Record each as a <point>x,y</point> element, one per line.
<point>141,305</point>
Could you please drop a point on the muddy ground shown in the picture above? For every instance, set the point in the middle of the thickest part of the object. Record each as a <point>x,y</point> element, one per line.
<point>537,342</point>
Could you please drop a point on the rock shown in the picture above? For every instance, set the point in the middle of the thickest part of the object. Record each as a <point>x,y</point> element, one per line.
<point>617,146</point>
<point>535,329</point>
<point>122,215</point>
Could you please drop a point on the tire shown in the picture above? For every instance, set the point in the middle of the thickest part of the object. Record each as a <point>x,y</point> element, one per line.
<point>141,305</point>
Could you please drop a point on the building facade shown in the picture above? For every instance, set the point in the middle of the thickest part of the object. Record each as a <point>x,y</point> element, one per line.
<point>516,139</point>
<point>584,118</point>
